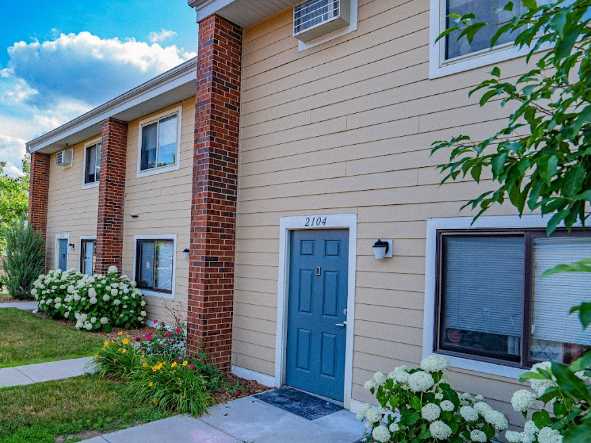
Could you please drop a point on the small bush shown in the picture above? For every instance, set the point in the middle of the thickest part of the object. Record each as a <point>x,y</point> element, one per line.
<point>97,302</point>
<point>25,259</point>
<point>418,404</point>
<point>118,358</point>
<point>167,342</point>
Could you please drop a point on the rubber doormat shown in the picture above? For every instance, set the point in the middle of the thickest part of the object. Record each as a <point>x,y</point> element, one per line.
<point>299,403</point>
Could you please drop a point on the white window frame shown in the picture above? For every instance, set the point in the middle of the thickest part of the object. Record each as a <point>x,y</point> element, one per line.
<point>465,223</point>
<point>353,25</point>
<point>153,119</point>
<point>288,224</point>
<point>148,292</point>
<point>62,236</point>
<point>88,144</point>
<point>82,238</point>
<point>439,67</point>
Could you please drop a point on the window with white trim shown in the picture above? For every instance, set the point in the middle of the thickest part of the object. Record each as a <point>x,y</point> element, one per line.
<point>155,265</point>
<point>495,305</point>
<point>450,55</point>
<point>92,164</point>
<point>159,143</point>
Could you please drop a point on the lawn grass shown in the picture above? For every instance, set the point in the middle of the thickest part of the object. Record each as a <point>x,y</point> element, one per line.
<point>26,338</point>
<point>68,409</point>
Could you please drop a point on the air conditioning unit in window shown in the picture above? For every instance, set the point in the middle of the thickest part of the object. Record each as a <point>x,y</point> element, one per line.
<point>64,157</point>
<point>314,18</point>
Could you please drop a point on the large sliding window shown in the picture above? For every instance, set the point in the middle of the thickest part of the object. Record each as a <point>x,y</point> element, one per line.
<point>495,305</point>
<point>155,265</point>
<point>159,144</point>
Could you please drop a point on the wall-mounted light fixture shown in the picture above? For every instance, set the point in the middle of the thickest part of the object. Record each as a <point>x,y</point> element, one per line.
<point>186,252</point>
<point>382,249</point>
<point>72,245</point>
<point>134,215</point>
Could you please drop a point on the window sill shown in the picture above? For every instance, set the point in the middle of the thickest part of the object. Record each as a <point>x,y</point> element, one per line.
<point>148,293</point>
<point>90,185</point>
<point>155,171</point>
<point>483,367</point>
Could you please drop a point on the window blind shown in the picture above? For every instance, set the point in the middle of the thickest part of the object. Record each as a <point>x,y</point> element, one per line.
<point>556,294</point>
<point>483,284</point>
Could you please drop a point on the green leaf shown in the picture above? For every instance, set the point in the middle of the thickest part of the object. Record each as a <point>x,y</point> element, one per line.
<point>541,419</point>
<point>476,171</point>
<point>556,220</point>
<point>584,310</point>
<point>583,265</point>
<point>583,118</point>
<point>570,383</point>
<point>498,163</point>
<point>578,433</point>
<point>530,4</point>
<point>581,363</point>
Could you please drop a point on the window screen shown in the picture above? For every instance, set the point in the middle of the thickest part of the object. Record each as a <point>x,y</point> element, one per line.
<point>482,285</point>
<point>154,263</point>
<point>491,12</point>
<point>556,334</point>
<point>92,167</point>
<point>314,12</point>
<point>159,143</point>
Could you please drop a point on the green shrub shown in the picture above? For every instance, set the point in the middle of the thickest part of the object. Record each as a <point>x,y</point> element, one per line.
<point>25,259</point>
<point>118,358</point>
<point>97,302</point>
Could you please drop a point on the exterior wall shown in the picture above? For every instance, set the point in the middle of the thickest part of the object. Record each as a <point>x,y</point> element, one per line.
<point>346,127</point>
<point>162,204</point>
<point>72,208</point>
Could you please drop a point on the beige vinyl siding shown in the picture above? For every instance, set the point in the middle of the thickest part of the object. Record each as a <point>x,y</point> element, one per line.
<point>72,208</point>
<point>162,204</point>
<point>346,127</point>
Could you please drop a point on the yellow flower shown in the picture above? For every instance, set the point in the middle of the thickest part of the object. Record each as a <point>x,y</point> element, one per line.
<point>173,364</point>
<point>122,350</point>
<point>185,363</point>
<point>106,343</point>
<point>151,384</point>
<point>157,367</point>
<point>125,341</point>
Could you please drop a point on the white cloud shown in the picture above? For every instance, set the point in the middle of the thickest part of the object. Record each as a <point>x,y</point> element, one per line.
<point>12,151</point>
<point>88,68</point>
<point>163,35</point>
<point>47,83</point>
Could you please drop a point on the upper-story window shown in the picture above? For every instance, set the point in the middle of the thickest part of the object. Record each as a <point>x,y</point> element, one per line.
<point>450,55</point>
<point>159,143</point>
<point>92,163</point>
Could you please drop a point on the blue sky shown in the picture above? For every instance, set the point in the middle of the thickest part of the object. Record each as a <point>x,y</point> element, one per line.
<point>60,58</point>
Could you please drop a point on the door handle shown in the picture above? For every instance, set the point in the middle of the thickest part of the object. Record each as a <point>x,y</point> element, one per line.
<point>341,325</point>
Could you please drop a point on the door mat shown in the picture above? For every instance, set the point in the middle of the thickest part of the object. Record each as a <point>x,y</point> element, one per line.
<point>299,403</point>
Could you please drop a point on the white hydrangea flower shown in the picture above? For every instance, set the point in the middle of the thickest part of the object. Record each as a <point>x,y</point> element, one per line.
<point>540,386</point>
<point>58,305</point>
<point>439,430</point>
<point>116,302</point>
<point>549,435</point>
<point>381,434</point>
<point>399,374</point>
<point>379,378</point>
<point>433,363</point>
<point>430,412</point>
<point>514,437</point>
<point>394,428</point>
<point>91,292</point>
<point>143,303</point>
<point>369,385</point>
<point>530,428</point>
<point>112,269</point>
<point>104,320</point>
<point>106,297</point>
<point>373,415</point>
<point>66,314</point>
<point>114,292</point>
<point>497,419</point>
<point>76,297</point>
<point>143,313</point>
<point>439,396</point>
<point>34,292</point>
<point>482,407</point>
<point>93,320</point>
<point>138,319</point>
<point>468,413</point>
<point>447,406</point>
<point>478,397</point>
<point>522,400</point>
<point>87,326</point>
<point>93,301</point>
<point>420,381</point>
<point>361,412</point>
<point>477,435</point>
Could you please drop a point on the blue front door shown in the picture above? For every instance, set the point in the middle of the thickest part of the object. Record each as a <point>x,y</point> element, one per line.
<point>62,252</point>
<point>317,310</point>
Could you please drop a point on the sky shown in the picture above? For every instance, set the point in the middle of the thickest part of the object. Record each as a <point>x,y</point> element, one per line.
<point>61,58</point>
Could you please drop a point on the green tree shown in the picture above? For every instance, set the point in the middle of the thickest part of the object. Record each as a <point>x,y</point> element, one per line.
<point>540,160</point>
<point>14,199</point>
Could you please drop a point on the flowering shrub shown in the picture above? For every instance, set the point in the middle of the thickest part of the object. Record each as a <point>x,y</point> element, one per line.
<point>178,385</point>
<point>561,398</point>
<point>97,302</point>
<point>418,404</point>
<point>166,341</point>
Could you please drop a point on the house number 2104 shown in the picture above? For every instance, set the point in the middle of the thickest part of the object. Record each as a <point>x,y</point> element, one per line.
<point>315,221</point>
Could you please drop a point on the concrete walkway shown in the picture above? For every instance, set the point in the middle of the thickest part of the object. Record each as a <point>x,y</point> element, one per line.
<point>22,305</point>
<point>55,370</point>
<point>243,420</point>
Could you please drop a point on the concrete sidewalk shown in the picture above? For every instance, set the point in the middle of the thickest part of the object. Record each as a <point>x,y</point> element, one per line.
<point>55,370</point>
<point>243,420</point>
<point>22,305</point>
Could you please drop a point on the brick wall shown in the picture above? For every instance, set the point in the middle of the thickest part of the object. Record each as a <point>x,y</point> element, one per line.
<point>109,229</point>
<point>38,192</point>
<point>215,180</point>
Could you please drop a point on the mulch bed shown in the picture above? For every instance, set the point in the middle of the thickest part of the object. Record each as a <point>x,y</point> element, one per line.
<point>247,387</point>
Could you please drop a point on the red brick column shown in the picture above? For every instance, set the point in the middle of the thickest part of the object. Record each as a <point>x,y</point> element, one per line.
<point>215,180</point>
<point>109,228</point>
<point>39,192</point>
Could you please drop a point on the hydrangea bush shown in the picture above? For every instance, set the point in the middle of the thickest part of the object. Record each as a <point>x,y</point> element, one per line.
<point>557,404</point>
<point>97,302</point>
<point>419,405</point>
